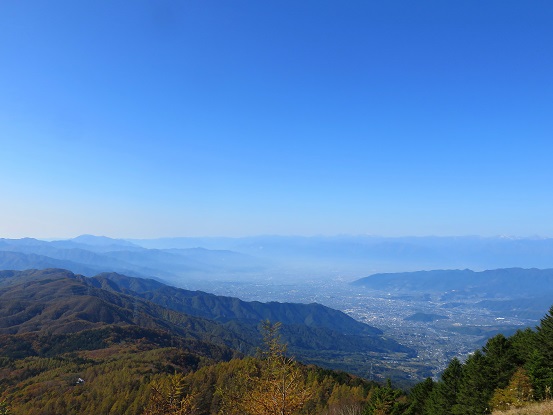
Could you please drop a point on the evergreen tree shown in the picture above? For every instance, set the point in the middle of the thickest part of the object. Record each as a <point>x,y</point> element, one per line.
<point>443,395</point>
<point>474,388</point>
<point>540,375</point>
<point>500,361</point>
<point>545,338</point>
<point>385,400</point>
<point>418,397</point>
<point>524,342</point>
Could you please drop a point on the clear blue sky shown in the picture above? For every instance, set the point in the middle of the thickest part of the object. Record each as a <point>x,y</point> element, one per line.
<point>199,117</point>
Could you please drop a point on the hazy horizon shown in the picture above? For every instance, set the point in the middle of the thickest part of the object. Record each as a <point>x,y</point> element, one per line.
<point>215,236</point>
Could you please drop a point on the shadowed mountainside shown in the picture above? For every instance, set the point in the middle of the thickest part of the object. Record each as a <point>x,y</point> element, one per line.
<point>60,302</point>
<point>224,309</point>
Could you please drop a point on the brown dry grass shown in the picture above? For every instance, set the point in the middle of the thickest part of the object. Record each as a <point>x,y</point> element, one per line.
<point>542,408</point>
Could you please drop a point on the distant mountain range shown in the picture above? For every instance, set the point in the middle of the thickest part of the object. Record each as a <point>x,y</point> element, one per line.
<point>365,254</point>
<point>90,255</point>
<point>179,260</point>
<point>498,283</point>
<point>55,302</point>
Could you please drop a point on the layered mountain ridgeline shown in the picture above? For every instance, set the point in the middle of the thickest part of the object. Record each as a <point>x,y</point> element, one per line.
<point>90,255</point>
<point>65,303</point>
<point>60,302</point>
<point>281,257</point>
<point>358,253</point>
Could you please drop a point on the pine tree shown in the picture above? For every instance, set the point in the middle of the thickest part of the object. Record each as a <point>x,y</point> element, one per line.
<point>540,375</point>
<point>419,396</point>
<point>385,400</point>
<point>474,388</point>
<point>524,342</point>
<point>500,361</point>
<point>545,338</point>
<point>443,396</point>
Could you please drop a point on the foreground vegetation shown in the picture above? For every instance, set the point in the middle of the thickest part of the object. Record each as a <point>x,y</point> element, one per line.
<point>130,374</point>
<point>541,408</point>
<point>508,375</point>
<point>69,347</point>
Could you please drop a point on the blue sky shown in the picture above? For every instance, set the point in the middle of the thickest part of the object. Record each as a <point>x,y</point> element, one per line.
<point>234,118</point>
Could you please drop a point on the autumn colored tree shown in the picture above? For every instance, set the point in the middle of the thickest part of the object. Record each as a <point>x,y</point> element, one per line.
<point>277,388</point>
<point>516,394</point>
<point>4,407</point>
<point>170,399</point>
<point>345,400</point>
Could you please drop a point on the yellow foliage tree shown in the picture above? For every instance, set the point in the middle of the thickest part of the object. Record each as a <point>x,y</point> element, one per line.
<point>518,392</point>
<point>277,388</point>
<point>170,399</point>
<point>4,407</point>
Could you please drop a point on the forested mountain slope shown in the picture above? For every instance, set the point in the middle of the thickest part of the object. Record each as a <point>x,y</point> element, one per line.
<point>221,308</point>
<point>58,301</point>
<point>72,344</point>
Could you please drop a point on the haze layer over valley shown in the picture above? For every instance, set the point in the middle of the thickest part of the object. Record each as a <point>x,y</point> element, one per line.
<point>439,314</point>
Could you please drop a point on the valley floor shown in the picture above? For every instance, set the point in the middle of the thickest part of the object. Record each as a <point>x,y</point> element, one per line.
<point>466,326</point>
